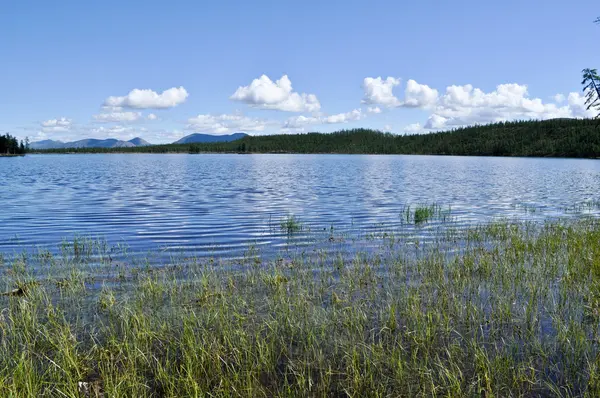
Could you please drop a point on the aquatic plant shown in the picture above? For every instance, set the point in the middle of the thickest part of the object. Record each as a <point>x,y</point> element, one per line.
<point>501,309</point>
<point>291,224</point>
<point>425,212</point>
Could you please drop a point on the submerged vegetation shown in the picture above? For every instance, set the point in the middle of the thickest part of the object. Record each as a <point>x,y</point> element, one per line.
<point>503,309</point>
<point>557,137</point>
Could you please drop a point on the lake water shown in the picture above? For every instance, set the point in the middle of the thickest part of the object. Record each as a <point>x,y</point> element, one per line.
<point>219,204</point>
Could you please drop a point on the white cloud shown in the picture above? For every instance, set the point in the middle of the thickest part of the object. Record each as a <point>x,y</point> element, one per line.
<point>166,136</point>
<point>117,117</point>
<point>559,98</point>
<point>344,117</point>
<point>466,105</point>
<point>106,108</point>
<point>577,106</point>
<point>380,92</point>
<point>266,94</point>
<point>57,125</point>
<point>436,122</point>
<point>146,99</point>
<point>414,128</point>
<point>387,128</point>
<point>419,95</point>
<point>298,122</point>
<point>222,124</point>
<point>63,121</point>
<point>152,116</point>
<point>291,130</point>
<point>118,131</point>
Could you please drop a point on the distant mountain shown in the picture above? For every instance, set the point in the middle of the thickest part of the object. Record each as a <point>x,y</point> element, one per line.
<point>94,143</point>
<point>204,138</point>
<point>47,144</point>
<point>137,141</point>
<point>89,143</point>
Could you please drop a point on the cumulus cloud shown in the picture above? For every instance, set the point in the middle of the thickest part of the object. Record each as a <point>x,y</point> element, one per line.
<point>56,125</point>
<point>63,121</point>
<point>577,106</point>
<point>380,92</point>
<point>118,131</point>
<point>436,122</point>
<point>147,99</point>
<point>387,128</point>
<point>222,124</point>
<point>117,117</point>
<point>413,128</point>
<point>292,130</point>
<point>354,115</point>
<point>419,95</point>
<point>466,105</point>
<point>298,122</point>
<point>152,116</point>
<point>277,95</point>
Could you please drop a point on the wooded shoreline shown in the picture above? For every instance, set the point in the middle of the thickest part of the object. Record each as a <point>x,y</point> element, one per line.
<point>571,138</point>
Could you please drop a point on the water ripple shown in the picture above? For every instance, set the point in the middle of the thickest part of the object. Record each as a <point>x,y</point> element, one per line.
<point>207,204</point>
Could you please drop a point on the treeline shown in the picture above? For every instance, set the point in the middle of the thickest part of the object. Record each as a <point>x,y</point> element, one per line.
<point>556,138</point>
<point>9,145</point>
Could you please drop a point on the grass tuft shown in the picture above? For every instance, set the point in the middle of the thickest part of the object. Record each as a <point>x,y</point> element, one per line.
<point>423,213</point>
<point>291,224</point>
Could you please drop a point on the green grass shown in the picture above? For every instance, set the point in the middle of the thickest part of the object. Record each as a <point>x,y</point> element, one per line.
<point>291,224</point>
<point>498,310</point>
<point>424,213</point>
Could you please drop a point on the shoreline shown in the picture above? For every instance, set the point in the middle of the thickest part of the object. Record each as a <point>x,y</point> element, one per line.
<point>306,153</point>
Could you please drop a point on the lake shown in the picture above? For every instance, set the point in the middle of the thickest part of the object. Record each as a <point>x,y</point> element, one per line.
<point>218,205</point>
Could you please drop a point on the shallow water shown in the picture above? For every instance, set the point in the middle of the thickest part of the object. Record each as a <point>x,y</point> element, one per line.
<point>211,205</point>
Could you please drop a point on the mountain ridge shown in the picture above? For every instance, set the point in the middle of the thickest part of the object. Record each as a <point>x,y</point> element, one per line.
<point>134,142</point>
<point>88,143</point>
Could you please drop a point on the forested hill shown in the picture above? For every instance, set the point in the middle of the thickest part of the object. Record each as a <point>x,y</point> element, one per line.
<point>557,137</point>
<point>9,145</point>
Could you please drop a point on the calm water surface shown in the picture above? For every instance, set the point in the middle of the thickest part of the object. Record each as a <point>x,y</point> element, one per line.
<point>219,204</point>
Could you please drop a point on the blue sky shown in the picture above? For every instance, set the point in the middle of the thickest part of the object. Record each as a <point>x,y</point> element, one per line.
<point>62,61</point>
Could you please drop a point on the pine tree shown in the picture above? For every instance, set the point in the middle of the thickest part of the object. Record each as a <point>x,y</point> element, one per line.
<point>591,86</point>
